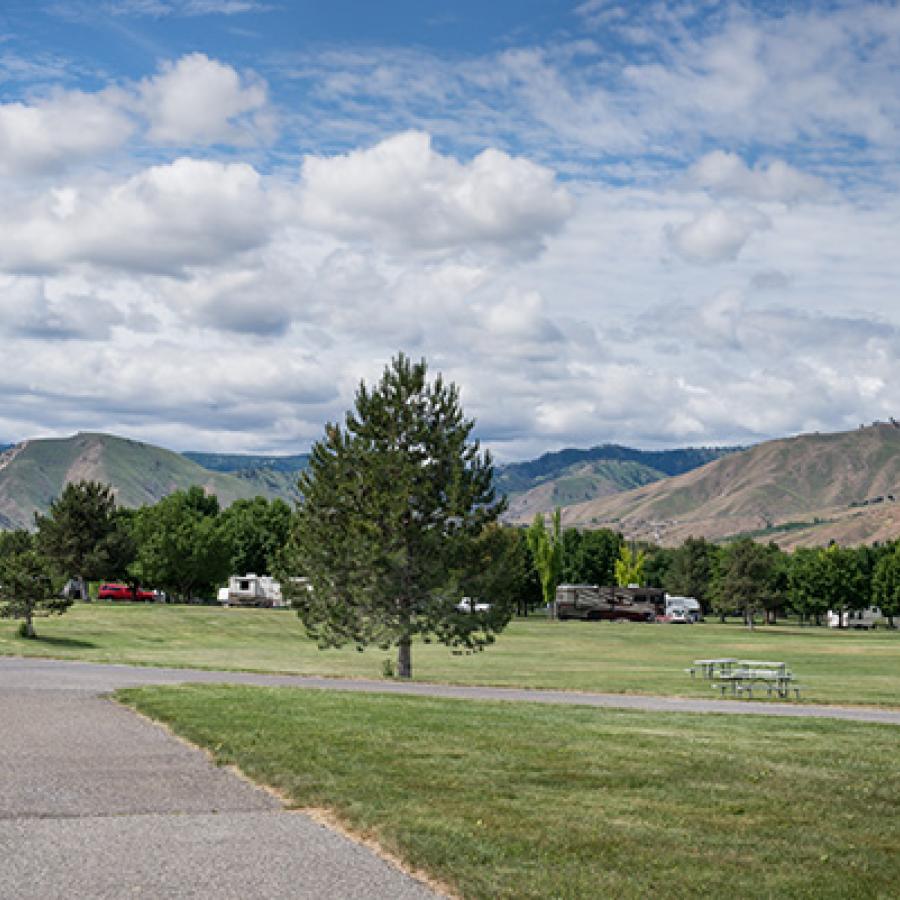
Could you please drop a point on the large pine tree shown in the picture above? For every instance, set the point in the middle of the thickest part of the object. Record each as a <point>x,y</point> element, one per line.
<point>393,503</point>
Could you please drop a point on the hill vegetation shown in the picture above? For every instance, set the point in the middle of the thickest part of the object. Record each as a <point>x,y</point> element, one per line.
<point>803,490</point>
<point>33,474</point>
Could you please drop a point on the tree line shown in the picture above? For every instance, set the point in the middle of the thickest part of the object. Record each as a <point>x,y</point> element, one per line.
<point>398,521</point>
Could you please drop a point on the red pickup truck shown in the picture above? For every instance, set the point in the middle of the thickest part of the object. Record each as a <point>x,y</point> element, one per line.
<point>114,591</point>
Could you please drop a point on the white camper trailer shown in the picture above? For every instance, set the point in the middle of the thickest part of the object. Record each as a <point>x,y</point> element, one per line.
<point>251,590</point>
<point>870,617</point>
<point>683,609</point>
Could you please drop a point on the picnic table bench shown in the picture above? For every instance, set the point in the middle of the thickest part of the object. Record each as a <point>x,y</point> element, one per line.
<point>741,676</point>
<point>743,681</point>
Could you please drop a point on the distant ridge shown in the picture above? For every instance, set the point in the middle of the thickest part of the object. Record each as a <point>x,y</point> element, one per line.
<point>247,462</point>
<point>34,473</point>
<point>804,490</point>
<point>565,477</point>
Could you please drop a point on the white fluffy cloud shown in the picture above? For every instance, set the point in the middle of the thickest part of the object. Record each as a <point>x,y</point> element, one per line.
<point>404,193</point>
<point>190,212</point>
<point>68,126</point>
<point>715,235</point>
<point>198,100</point>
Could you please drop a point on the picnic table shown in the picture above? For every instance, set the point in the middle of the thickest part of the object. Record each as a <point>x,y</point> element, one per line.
<point>741,676</point>
<point>709,667</point>
<point>744,679</point>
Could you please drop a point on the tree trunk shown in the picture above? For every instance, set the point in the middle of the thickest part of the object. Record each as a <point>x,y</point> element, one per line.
<point>29,626</point>
<point>404,657</point>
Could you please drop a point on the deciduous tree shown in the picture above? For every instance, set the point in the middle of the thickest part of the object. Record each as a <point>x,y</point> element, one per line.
<point>547,552</point>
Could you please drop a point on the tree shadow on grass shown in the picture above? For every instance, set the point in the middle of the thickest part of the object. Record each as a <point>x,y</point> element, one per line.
<point>60,642</point>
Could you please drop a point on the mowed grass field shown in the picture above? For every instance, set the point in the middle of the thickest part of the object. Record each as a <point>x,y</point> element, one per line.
<point>533,801</point>
<point>851,667</point>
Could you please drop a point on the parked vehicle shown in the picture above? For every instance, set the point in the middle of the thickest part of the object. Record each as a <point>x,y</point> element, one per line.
<point>593,602</point>
<point>870,617</point>
<point>117,591</point>
<point>468,605</point>
<point>251,590</point>
<point>682,609</point>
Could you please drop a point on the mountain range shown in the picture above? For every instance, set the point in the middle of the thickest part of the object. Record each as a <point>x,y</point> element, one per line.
<point>807,489</point>
<point>804,490</point>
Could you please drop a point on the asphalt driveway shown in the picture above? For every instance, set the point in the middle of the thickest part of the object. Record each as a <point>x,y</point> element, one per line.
<point>97,802</point>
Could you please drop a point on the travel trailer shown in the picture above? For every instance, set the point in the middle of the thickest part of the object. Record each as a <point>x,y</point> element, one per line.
<point>870,617</point>
<point>252,590</point>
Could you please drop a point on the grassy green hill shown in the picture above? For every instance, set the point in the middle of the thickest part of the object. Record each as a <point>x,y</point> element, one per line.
<point>247,462</point>
<point>572,476</point>
<point>33,473</point>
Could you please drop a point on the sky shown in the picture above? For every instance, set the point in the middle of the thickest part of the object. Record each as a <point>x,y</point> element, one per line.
<point>654,224</point>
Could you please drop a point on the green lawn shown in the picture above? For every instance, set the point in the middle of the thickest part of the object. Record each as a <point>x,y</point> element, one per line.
<point>526,800</point>
<point>834,667</point>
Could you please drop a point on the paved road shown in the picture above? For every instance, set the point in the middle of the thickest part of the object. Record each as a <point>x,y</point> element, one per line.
<point>38,674</point>
<point>97,802</point>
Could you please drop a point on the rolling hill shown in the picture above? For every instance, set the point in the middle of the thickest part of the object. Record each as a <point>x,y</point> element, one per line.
<point>34,472</point>
<point>801,490</point>
<point>573,476</point>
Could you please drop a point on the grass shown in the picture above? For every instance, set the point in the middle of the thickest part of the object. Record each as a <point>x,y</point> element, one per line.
<point>834,667</point>
<point>530,801</point>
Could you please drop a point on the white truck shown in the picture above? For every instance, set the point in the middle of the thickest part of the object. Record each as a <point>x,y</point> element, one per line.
<point>683,609</point>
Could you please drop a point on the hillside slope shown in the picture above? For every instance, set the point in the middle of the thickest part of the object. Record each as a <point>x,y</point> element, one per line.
<point>34,473</point>
<point>777,489</point>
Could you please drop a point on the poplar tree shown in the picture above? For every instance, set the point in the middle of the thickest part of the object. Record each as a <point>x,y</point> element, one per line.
<point>393,504</point>
<point>547,552</point>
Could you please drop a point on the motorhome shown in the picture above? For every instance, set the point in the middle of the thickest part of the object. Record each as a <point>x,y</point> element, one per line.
<point>594,602</point>
<point>251,590</point>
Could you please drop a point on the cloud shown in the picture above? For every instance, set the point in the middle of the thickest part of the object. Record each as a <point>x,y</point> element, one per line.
<point>27,311</point>
<point>198,100</point>
<point>404,194</point>
<point>66,127</point>
<point>716,235</point>
<point>188,213</point>
<point>726,174</point>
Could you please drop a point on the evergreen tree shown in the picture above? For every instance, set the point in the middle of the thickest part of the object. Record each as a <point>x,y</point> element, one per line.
<point>77,534</point>
<point>387,532</point>
<point>692,569</point>
<point>26,590</point>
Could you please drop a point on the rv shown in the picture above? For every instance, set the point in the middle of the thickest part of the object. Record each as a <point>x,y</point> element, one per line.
<point>251,590</point>
<point>594,602</point>
<point>683,609</point>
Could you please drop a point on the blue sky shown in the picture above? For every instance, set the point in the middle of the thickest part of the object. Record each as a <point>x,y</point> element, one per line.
<point>658,224</point>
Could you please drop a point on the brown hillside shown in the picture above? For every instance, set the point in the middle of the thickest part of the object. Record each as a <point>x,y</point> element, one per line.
<point>794,480</point>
